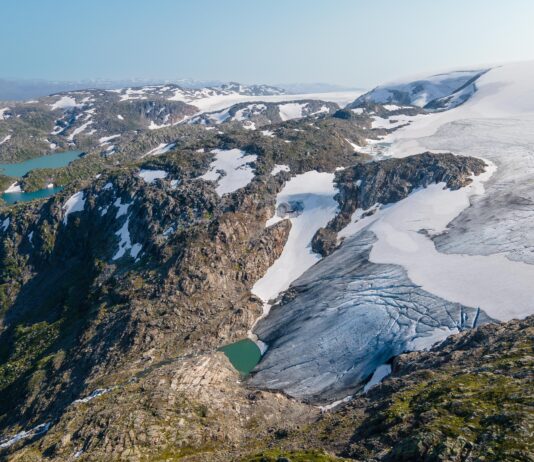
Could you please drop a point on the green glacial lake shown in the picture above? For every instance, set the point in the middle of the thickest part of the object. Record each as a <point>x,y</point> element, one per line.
<point>18,170</point>
<point>61,159</point>
<point>244,355</point>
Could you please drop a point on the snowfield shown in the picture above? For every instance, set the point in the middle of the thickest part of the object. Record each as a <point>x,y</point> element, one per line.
<point>423,91</point>
<point>230,170</point>
<point>13,188</point>
<point>486,257</point>
<point>220,102</point>
<point>290,111</point>
<point>152,175</point>
<point>65,102</point>
<point>316,193</point>
<point>421,269</point>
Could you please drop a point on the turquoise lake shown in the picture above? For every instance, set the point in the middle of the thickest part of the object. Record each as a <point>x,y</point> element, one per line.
<point>11,198</point>
<point>58,160</point>
<point>244,355</point>
<point>61,159</point>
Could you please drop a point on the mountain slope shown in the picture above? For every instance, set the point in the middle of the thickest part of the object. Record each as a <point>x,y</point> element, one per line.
<point>437,92</point>
<point>335,242</point>
<point>467,399</point>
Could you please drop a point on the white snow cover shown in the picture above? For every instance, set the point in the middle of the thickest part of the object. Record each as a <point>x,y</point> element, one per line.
<point>422,91</point>
<point>65,102</point>
<point>316,192</point>
<point>2,112</point>
<point>120,117</point>
<point>235,165</point>
<point>13,188</point>
<point>75,203</point>
<point>380,373</point>
<point>211,102</point>
<point>79,130</point>
<point>496,123</point>
<point>95,394</point>
<point>5,224</point>
<point>35,431</point>
<point>5,139</point>
<point>122,209</point>
<point>154,126</point>
<point>152,175</point>
<point>268,133</point>
<point>291,111</point>
<point>162,148</point>
<point>354,145</point>
<point>107,139</point>
<point>125,243</point>
<point>501,287</point>
<point>279,168</point>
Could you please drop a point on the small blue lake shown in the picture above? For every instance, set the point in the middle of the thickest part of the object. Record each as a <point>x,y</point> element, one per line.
<point>12,198</point>
<point>61,159</point>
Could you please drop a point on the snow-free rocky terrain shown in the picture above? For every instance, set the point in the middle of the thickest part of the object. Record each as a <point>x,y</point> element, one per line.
<point>336,231</point>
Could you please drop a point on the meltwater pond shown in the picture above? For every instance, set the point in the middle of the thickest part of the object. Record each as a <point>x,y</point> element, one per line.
<point>61,159</point>
<point>244,355</point>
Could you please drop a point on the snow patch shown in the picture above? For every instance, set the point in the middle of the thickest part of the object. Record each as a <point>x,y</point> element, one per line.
<point>152,175</point>
<point>95,394</point>
<point>291,111</point>
<point>107,139</point>
<point>65,102</point>
<point>380,373</point>
<point>13,188</point>
<point>75,203</point>
<point>315,191</point>
<point>230,170</point>
<point>162,148</point>
<point>125,242</point>
<point>279,168</point>
<point>35,431</point>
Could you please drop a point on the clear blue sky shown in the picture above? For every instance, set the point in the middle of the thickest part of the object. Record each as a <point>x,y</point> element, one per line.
<point>348,42</point>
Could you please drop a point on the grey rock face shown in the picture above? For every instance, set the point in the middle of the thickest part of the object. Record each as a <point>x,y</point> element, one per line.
<point>343,318</point>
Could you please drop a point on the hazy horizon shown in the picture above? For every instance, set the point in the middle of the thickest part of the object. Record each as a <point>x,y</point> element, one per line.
<point>348,43</point>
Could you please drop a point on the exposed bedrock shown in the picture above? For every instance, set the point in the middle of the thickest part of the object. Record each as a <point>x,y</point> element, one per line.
<point>390,180</point>
<point>343,318</point>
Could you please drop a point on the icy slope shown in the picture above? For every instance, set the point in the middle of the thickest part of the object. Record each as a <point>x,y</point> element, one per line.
<point>441,91</point>
<point>437,261</point>
<point>497,123</point>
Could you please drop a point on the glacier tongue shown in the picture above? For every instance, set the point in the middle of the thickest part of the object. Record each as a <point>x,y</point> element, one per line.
<point>345,317</point>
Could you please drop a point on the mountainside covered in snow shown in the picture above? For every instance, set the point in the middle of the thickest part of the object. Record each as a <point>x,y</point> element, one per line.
<point>437,92</point>
<point>319,241</point>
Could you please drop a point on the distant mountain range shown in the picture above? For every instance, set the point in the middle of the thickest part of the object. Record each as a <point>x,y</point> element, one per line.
<point>17,90</point>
